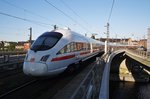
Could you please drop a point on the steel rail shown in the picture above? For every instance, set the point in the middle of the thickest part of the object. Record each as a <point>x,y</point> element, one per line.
<point>17,88</point>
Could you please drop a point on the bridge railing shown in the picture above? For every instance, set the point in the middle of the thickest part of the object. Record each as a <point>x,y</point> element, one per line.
<point>86,85</point>
<point>143,54</point>
<point>89,87</point>
<point>6,57</point>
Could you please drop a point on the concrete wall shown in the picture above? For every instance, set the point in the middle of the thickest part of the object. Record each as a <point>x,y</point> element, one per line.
<point>148,40</point>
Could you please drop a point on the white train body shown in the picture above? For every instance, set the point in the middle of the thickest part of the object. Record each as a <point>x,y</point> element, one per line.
<point>54,51</point>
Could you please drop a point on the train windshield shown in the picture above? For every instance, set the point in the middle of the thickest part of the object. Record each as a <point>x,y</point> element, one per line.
<point>46,41</point>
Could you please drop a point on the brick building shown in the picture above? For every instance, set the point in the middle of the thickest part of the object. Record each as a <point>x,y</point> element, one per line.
<point>143,42</point>
<point>125,41</point>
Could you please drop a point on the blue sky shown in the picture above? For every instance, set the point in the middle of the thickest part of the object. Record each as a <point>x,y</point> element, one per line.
<point>130,18</point>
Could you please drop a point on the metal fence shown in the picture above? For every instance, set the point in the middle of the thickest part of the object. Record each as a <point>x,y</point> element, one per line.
<point>90,86</point>
<point>86,85</point>
<point>11,60</point>
<point>12,56</point>
<point>143,54</point>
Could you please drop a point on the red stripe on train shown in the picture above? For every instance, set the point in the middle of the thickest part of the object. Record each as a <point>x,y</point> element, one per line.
<point>63,57</point>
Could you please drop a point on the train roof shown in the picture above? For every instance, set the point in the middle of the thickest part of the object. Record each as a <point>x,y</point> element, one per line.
<point>78,36</point>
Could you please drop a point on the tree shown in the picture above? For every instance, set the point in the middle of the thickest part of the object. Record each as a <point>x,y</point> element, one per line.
<point>2,45</point>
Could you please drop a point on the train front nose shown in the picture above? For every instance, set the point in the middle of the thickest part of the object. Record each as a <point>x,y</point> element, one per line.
<point>35,68</point>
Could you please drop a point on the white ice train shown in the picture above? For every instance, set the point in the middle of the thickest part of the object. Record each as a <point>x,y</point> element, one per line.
<point>55,51</point>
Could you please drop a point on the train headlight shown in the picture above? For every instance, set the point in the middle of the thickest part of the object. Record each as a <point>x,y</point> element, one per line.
<point>44,58</point>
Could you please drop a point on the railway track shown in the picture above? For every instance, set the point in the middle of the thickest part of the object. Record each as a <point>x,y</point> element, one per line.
<point>12,81</point>
<point>38,88</point>
<point>42,88</point>
<point>17,88</point>
<point>10,64</point>
<point>10,69</point>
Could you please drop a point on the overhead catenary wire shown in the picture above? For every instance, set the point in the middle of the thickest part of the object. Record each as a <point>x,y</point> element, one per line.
<point>107,33</point>
<point>66,15</point>
<point>35,14</point>
<point>30,12</point>
<point>73,11</point>
<point>110,14</point>
<point>27,20</point>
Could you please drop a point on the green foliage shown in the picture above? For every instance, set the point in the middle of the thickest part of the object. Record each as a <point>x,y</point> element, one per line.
<point>12,46</point>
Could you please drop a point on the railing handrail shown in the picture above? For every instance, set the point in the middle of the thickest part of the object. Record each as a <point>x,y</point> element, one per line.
<point>85,85</point>
<point>143,54</point>
<point>90,77</point>
<point>7,56</point>
<point>104,90</point>
<point>12,52</point>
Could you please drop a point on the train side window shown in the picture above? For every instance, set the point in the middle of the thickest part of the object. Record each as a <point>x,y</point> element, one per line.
<point>87,46</point>
<point>68,47</point>
<point>79,46</point>
<point>72,47</point>
<point>61,51</point>
<point>75,46</point>
<point>84,46</point>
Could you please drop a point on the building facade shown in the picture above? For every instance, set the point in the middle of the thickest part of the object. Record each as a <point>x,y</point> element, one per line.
<point>143,42</point>
<point>125,41</point>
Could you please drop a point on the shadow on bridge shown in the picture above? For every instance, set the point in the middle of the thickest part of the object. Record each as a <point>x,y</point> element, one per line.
<point>139,71</point>
<point>123,68</point>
